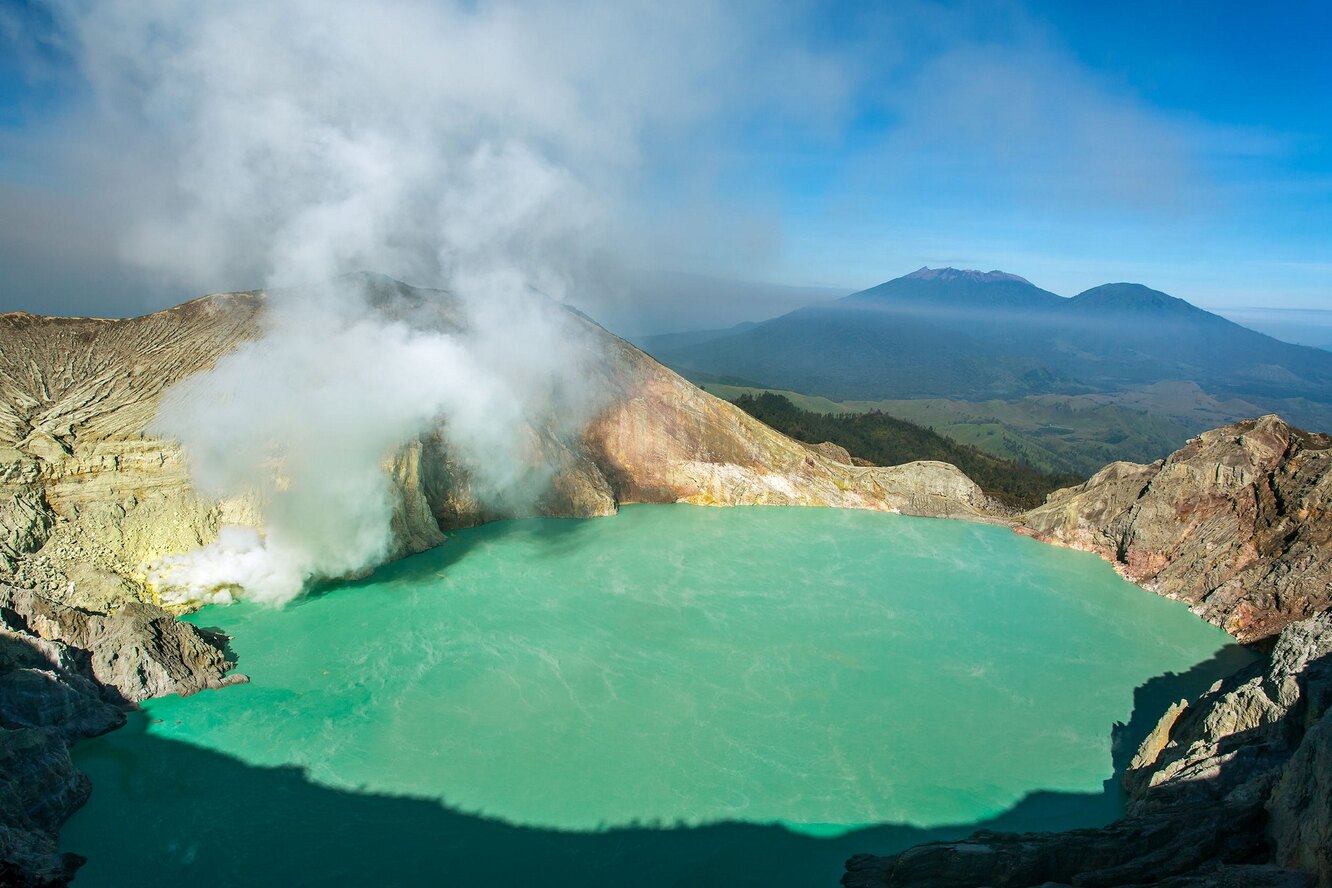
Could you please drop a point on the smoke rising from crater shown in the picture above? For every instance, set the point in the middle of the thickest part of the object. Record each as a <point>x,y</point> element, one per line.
<point>305,419</point>
<point>479,147</point>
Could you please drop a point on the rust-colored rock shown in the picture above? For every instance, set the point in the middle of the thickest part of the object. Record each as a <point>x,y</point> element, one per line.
<point>87,497</point>
<point>1236,523</point>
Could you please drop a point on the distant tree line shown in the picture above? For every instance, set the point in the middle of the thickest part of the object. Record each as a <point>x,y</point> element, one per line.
<point>888,441</point>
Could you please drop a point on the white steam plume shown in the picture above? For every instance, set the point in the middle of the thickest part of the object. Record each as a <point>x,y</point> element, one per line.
<point>478,146</point>
<point>305,417</point>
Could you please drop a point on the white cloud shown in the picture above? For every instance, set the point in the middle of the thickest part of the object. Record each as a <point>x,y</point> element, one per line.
<point>483,146</point>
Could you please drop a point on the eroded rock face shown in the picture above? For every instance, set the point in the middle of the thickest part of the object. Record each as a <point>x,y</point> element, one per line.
<point>39,789</point>
<point>1236,523</point>
<point>1300,808</point>
<point>664,440</point>
<point>66,674</point>
<point>138,651</point>
<point>87,496</point>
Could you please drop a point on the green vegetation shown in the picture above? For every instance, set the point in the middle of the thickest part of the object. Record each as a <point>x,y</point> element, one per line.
<point>956,336</point>
<point>1063,434</point>
<point>885,440</point>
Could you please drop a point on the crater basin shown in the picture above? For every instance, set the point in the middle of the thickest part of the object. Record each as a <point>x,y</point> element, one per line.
<point>675,695</point>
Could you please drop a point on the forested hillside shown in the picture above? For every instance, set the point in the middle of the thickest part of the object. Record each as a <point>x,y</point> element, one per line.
<point>885,440</point>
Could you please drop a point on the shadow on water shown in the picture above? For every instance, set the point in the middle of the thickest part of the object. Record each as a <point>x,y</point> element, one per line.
<point>1152,698</point>
<point>179,814</point>
<point>550,536</point>
<point>193,816</point>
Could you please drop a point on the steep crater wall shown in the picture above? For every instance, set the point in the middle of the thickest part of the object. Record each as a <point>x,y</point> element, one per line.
<point>1237,523</point>
<point>88,496</point>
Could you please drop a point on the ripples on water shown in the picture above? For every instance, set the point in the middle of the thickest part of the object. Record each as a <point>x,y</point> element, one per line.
<point>823,670</point>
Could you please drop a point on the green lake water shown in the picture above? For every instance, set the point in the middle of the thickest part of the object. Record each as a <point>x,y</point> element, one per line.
<point>673,696</point>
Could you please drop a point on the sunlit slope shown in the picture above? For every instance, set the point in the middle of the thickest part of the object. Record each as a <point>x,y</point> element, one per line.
<point>89,495</point>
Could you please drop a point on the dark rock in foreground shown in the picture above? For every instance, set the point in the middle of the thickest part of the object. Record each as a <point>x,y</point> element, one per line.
<point>66,674</point>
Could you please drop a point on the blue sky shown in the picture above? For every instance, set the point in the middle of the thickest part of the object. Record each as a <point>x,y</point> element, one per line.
<point>1074,144</point>
<point>1185,146</point>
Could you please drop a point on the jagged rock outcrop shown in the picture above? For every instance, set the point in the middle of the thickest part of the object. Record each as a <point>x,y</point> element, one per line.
<point>662,439</point>
<point>1230,789</point>
<point>39,789</point>
<point>88,496</point>
<point>1300,808</point>
<point>138,650</point>
<point>66,674</point>
<point>1237,523</point>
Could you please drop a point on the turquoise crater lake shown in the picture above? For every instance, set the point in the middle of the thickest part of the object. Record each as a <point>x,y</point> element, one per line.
<point>680,693</point>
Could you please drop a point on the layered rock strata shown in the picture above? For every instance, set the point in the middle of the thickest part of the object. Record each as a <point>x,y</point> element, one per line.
<point>88,495</point>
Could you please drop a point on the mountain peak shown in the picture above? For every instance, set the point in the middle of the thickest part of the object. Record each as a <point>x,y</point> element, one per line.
<point>1133,297</point>
<point>963,274</point>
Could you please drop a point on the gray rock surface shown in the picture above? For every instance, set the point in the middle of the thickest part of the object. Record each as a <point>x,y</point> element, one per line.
<point>39,789</point>
<point>66,674</point>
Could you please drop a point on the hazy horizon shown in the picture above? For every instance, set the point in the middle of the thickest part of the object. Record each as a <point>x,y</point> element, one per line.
<point>825,147</point>
<point>696,307</point>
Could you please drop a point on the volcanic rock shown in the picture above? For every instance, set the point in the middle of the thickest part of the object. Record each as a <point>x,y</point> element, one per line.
<point>1237,523</point>
<point>66,674</point>
<point>1232,789</point>
<point>88,497</point>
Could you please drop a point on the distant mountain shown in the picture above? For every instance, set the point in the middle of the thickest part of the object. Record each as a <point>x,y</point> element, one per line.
<point>668,341</point>
<point>951,333</point>
<point>1302,326</point>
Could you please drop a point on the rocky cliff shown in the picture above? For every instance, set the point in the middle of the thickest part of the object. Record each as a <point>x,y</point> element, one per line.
<point>1236,523</point>
<point>66,674</point>
<point>1231,788</point>
<point>87,496</point>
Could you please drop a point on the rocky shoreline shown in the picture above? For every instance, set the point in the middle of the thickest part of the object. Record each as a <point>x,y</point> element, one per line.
<point>88,496</point>
<point>67,674</point>
<point>1237,522</point>
<point>1231,788</point>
